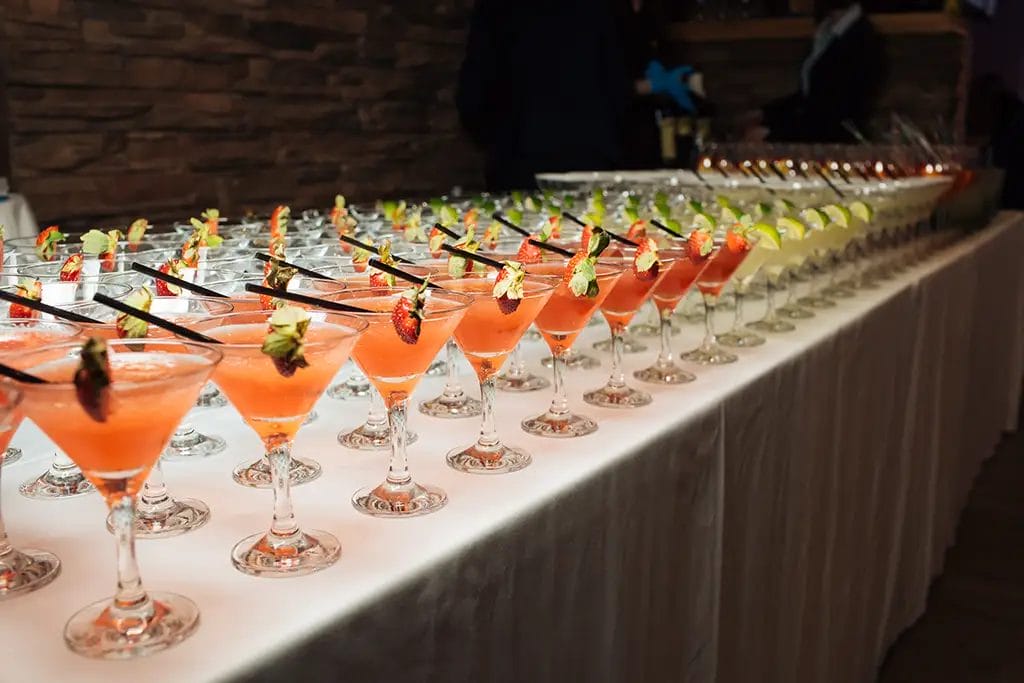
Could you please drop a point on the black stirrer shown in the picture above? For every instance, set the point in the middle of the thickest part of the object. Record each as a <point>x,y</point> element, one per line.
<point>448,231</point>
<point>303,299</point>
<point>171,279</point>
<point>821,173</point>
<point>162,323</point>
<point>46,308</point>
<point>408,277</point>
<point>550,247</point>
<point>614,236</point>
<point>19,376</point>
<point>661,226</point>
<point>497,215</point>
<point>369,247</point>
<point>472,256</point>
<point>267,258</point>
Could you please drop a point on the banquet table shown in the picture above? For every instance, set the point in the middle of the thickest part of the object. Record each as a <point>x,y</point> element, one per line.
<point>780,518</point>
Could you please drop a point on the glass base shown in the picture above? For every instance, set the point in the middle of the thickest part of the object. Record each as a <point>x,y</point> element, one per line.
<point>213,399</point>
<point>520,383</point>
<point>181,516</point>
<point>795,312</point>
<point>629,345</point>
<point>93,631</point>
<point>664,373</point>
<point>452,408</point>
<point>203,446</point>
<point>343,391</point>
<point>574,360</point>
<point>364,439</point>
<point>11,455</point>
<point>773,326</point>
<point>816,301</point>
<point>710,355</point>
<point>645,330</point>
<point>45,487</point>
<point>476,460</point>
<point>26,570</point>
<point>399,500</point>
<point>617,397</point>
<point>740,339</point>
<point>304,552</point>
<point>257,474</point>
<point>837,292</point>
<point>437,368</point>
<point>566,426</point>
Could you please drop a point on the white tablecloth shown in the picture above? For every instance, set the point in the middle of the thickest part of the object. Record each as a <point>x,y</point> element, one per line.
<point>778,519</point>
<point>16,217</point>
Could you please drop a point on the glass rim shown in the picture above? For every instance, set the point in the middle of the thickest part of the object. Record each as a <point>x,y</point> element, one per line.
<point>12,323</point>
<point>357,324</point>
<point>461,301</point>
<point>547,283</point>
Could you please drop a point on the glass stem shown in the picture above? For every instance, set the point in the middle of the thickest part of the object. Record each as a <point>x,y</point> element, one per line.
<point>398,465</point>
<point>280,456</point>
<point>452,388</point>
<point>488,434</point>
<point>154,492</point>
<point>377,418</point>
<point>131,606</point>
<point>737,320</point>
<point>665,327</point>
<point>710,300</point>
<point>61,468</point>
<point>617,380</point>
<point>5,545</point>
<point>560,402</point>
<point>516,366</point>
<point>769,295</point>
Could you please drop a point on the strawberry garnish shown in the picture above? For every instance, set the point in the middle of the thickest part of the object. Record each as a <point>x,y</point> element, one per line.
<point>47,241</point>
<point>471,218</point>
<point>580,272</point>
<point>699,245</point>
<point>284,340</point>
<point>528,253</point>
<point>492,234</point>
<point>395,212</point>
<point>92,379</point>
<point>173,267</point>
<point>407,315</point>
<point>637,231</point>
<point>508,287</point>
<point>588,232</point>
<point>735,242</point>
<point>435,241</point>
<point>379,278</point>
<point>342,221</point>
<point>71,269</point>
<point>128,326</point>
<point>276,277</point>
<point>458,266</point>
<point>199,238</point>
<point>212,219</point>
<point>136,231</point>
<point>646,263</point>
<point>279,222</point>
<point>554,227</point>
<point>413,228</point>
<point>29,289</point>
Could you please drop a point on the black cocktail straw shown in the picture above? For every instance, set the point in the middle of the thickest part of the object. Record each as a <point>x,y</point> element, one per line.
<point>267,258</point>
<point>304,299</point>
<point>162,323</point>
<point>46,308</point>
<point>177,281</point>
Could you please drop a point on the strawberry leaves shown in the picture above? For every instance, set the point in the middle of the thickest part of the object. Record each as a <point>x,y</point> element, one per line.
<point>284,343</point>
<point>128,326</point>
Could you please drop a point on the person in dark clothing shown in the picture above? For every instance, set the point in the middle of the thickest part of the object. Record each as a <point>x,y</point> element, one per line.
<point>839,80</point>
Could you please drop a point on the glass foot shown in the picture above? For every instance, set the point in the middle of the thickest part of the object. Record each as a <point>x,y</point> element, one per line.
<point>795,312</point>
<point>25,570</point>
<point>645,330</point>
<point>364,438</point>
<point>740,339</point>
<point>816,302</point>
<point>531,335</point>
<point>500,460</point>
<point>437,368</point>
<point>521,383</point>
<point>213,399</point>
<point>773,326</point>
<point>710,355</point>
<point>453,408</point>
<point>664,373</point>
<point>343,391</point>
<point>617,397</point>
<point>276,557</point>
<point>629,345</point>
<point>94,632</point>
<point>47,487</point>
<point>564,426</point>
<point>201,446</point>
<point>837,292</point>
<point>11,455</point>
<point>399,500</point>
<point>574,360</point>
<point>182,515</point>
<point>257,474</point>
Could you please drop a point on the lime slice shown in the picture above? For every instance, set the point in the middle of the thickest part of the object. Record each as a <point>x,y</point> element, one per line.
<point>730,214</point>
<point>703,221</point>
<point>695,206</point>
<point>770,237</point>
<point>723,201</point>
<point>816,219</point>
<point>764,209</point>
<point>784,205</point>
<point>862,211</point>
<point>792,229</point>
<point>839,215</point>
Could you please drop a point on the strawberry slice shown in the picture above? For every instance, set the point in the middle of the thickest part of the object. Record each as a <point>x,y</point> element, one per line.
<point>580,274</point>
<point>435,241</point>
<point>71,269</point>
<point>646,263</point>
<point>407,315</point>
<point>529,253</point>
<point>588,232</point>
<point>47,241</point>
<point>279,221</point>
<point>200,237</point>
<point>508,287</point>
<point>30,289</point>
<point>699,245</point>
<point>174,268</point>
<point>93,378</point>
<point>735,242</point>
<point>128,326</point>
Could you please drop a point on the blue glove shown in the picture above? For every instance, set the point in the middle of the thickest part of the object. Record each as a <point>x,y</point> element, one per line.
<point>664,82</point>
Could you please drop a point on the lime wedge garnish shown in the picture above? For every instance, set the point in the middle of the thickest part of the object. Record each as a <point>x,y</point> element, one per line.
<point>839,215</point>
<point>792,229</point>
<point>695,206</point>
<point>816,219</point>
<point>723,201</point>
<point>770,237</point>
<point>763,209</point>
<point>862,211</point>
<point>703,221</point>
<point>730,214</point>
<point>784,205</point>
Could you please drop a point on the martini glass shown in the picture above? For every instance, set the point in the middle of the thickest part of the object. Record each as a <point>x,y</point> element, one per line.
<point>23,571</point>
<point>116,454</point>
<point>487,335</point>
<point>628,294</point>
<point>743,279</point>
<point>710,283</point>
<point>395,367</point>
<point>560,323</point>
<point>275,407</point>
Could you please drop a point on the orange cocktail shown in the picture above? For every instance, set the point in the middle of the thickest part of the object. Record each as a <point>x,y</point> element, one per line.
<point>487,334</point>
<point>114,424</point>
<point>394,353</point>
<point>274,394</point>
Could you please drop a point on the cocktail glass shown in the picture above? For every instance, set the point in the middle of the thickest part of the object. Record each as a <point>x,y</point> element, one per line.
<point>710,283</point>
<point>668,292</point>
<point>487,335</point>
<point>560,323</point>
<point>743,279</point>
<point>628,294</point>
<point>116,454</point>
<point>395,367</point>
<point>275,406</point>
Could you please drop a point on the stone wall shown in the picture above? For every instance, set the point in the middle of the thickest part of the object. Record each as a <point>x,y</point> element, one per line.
<point>118,108</point>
